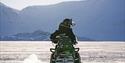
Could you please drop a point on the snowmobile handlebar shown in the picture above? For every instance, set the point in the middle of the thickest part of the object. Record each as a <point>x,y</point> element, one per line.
<point>77,49</point>
<point>52,50</point>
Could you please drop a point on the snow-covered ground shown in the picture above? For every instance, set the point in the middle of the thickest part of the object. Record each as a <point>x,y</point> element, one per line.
<point>38,51</point>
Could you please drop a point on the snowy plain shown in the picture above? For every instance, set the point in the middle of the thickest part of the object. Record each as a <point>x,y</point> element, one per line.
<point>39,51</point>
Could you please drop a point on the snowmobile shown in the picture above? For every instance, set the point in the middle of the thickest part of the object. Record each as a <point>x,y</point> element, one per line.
<point>64,51</point>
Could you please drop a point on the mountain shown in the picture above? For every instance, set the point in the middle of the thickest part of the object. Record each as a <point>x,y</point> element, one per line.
<point>37,35</point>
<point>95,19</point>
<point>84,39</point>
<point>8,19</point>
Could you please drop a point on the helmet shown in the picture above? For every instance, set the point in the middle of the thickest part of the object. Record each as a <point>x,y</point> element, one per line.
<point>67,23</point>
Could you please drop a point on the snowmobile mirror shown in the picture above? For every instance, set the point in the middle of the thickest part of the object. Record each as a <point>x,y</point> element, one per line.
<point>73,23</point>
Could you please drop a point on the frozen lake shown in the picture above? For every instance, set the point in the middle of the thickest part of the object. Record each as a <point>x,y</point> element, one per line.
<point>38,51</point>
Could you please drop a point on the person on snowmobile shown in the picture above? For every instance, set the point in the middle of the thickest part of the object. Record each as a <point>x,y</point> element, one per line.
<point>64,27</point>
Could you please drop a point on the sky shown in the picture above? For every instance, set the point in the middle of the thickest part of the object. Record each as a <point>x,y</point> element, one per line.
<point>20,4</point>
